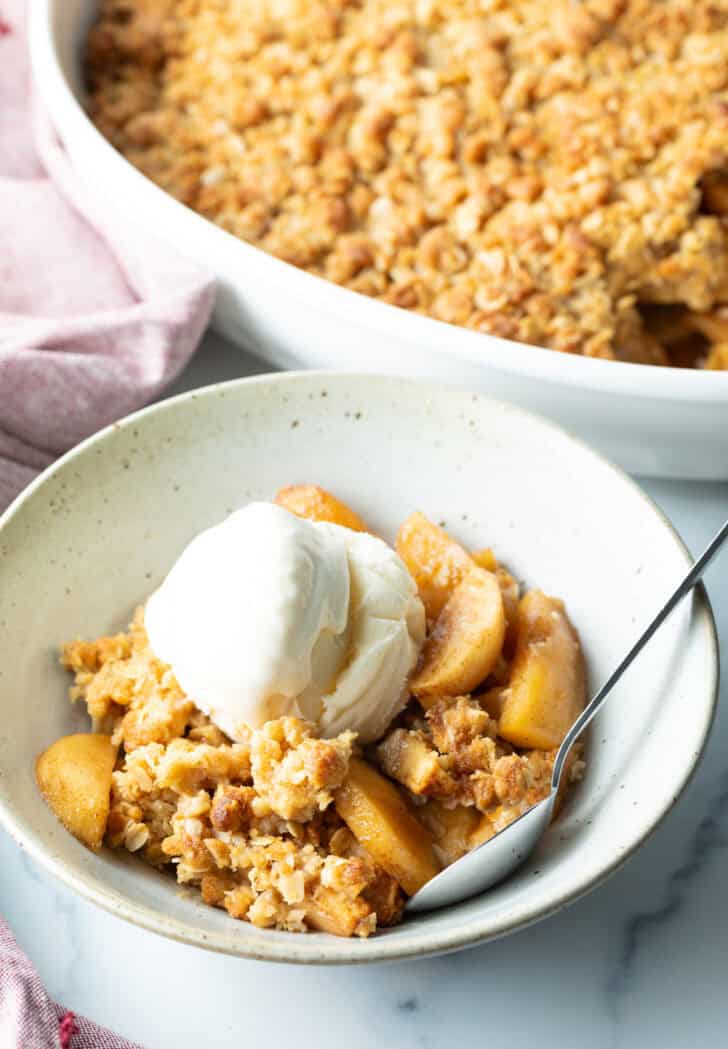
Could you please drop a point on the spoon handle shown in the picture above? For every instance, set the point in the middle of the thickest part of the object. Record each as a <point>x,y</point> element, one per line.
<point>693,576</point>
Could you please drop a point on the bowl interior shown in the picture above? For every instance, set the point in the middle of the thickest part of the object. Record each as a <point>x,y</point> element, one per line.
<point>97,533</point>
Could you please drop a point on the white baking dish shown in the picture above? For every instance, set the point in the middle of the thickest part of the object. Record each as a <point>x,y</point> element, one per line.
<point>656,421</point>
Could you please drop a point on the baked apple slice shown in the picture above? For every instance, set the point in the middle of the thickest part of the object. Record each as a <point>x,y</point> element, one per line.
<point>377,816</point>
<point>485,558</point>
<point>466,641</point>
<point>510,592</point>
<point>74,777</point>
<point>316,504</point>
<point>435,561</point>
<point>547,688</point>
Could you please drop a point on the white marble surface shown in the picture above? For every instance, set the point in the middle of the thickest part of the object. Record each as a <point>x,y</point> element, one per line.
<point>641,962</point>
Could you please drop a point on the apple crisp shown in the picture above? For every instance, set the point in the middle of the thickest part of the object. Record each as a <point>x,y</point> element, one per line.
<point>289,831</point>
<point>554,173</point>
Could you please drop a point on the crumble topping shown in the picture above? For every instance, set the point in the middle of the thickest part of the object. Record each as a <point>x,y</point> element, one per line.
<point>554,173</point>
<point>454,758</point>
<point>250,823</point>
<point>454,755</point>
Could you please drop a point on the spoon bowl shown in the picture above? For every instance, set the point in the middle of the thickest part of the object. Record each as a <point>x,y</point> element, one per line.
<point>487,864</point>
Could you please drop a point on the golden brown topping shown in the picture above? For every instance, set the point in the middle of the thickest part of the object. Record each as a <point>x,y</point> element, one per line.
<point>295,773</point>
<point>232,808</point>
<point>537,171</point>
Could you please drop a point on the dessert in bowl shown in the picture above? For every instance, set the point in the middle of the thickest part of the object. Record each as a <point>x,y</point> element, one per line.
<point>308,726</point>
<point>100,531</point>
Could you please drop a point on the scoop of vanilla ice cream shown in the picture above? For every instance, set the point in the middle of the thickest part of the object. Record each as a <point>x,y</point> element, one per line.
<point>268,614</point>
<point>386,631</point>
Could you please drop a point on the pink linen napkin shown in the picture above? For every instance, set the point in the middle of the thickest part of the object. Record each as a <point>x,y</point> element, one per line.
<point>93,324</point>
<point>30,1020</point>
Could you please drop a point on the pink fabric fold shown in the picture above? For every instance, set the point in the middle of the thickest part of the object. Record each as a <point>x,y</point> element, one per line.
<point>93,324</point>
<point>30,1020</point>
<point>94,320</point>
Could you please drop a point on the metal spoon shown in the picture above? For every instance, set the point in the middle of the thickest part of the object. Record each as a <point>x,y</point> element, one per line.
<point>497,857</point>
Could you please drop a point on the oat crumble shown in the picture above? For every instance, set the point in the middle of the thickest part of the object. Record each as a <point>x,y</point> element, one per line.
<point>250,823</point>
<point>554,173</point>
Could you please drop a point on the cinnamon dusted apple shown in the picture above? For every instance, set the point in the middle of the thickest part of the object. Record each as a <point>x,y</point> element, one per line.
<point>547,689</point>
<point>466,640</point>
<point>435,561</point>
<point>74,777</point>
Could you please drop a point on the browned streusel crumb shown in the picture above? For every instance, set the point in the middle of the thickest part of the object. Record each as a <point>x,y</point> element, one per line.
<point>129,693</point>
<point>538,171</point>
<point>450,757</point>
<point>250,823</point>
<point>463,809</point>
<point>295,772</point>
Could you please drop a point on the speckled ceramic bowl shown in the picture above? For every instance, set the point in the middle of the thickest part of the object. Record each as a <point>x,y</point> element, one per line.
<point>98,531</point>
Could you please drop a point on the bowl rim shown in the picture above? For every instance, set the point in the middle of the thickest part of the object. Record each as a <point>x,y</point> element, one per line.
<point>302,949</point>
<point>504,355</point>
